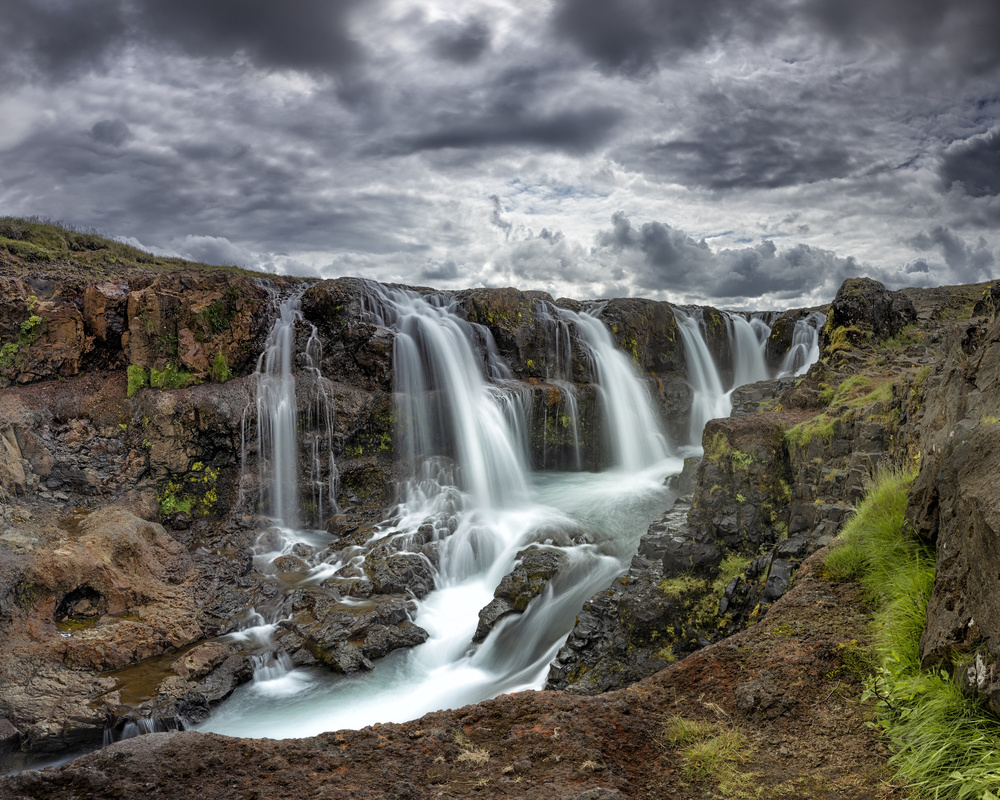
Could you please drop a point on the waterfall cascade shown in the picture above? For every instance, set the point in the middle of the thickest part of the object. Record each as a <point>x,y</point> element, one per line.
<point>631,428</point>
<point>710,400</point>
<point>470,503</point>
<point>804,351</point>
<point>461,429</point>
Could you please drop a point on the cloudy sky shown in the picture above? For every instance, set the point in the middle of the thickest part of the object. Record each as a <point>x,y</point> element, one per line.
<point>740,152</point>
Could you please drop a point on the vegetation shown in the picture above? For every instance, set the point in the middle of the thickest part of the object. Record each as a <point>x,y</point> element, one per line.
<point>711,752</point>
<point>171,377</point>
<point>138,378</point>
<point>34,241</point>
<point>220,371</point>
<point>945,744</point>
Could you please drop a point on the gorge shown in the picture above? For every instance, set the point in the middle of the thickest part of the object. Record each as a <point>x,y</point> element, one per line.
<point>262,507</point>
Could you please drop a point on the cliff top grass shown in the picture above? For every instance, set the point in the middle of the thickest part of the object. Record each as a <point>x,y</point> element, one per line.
<point>31,246</point>
<point>944,743</point>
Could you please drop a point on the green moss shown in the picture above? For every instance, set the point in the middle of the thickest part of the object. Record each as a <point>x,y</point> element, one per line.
<point>194,492</point>
<point>172,377</point>
<point>137,379</point>
<point>219,315</point>
<point>220,372</point>
<point>682,585</point>
<point>28,333</point>
<point>742,460</point>
<point>733,566</point>
<point>718,448</point>
<point>26,250</point>
<point>800,436</point>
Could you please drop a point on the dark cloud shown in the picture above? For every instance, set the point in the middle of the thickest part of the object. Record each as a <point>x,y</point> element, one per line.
<point>967,262</point>
<point>578,131</point>
<point>673,261</point>
<point>747,142</point>
<point>443,271</point>
<point>463,43</point>
<point>966,32</point>
<point>110,131</point>
<point>293,34</point>
<point>973,164</point>
<point>632,36</point>
<point>670,254</point>
<point>58,38</point>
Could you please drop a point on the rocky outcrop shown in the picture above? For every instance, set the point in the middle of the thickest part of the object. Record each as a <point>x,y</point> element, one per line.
<point>954,505</point>
<point>535,567</point>
<point>775,484</point>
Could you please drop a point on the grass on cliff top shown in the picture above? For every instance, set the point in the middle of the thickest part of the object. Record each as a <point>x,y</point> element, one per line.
<point>26,244</point>
<point>944,743</point>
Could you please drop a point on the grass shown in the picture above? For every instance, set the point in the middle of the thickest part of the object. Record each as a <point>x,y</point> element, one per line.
<point>31,242</point>
<point>171,377</point>
<point>800,436</point>
<point>220,371</point>
<point>944,743</point>
<point>711,751</point>
<point>138,378</point>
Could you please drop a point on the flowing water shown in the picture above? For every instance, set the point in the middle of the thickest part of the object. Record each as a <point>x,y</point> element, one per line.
<point>804,351</point>
<point>461,428</point>
<point>461,431</point>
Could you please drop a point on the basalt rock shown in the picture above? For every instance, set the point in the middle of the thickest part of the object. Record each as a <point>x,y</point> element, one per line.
<point>866,306</point>
<point>535,567</point>
<point>954,504</point>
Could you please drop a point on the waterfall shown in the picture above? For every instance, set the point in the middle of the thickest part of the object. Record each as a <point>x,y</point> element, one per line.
<point>469,505</point>
<point>709,400</point>
<point>277,437</point>
<point>804,351</point>
<point>445,406</point>
<point>276,404</point>
<point>749,339</point>
<point>632,431</point>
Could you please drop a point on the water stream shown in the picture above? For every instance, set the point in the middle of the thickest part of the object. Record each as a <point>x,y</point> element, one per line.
<point>460,424</point>
<point>461,432</point>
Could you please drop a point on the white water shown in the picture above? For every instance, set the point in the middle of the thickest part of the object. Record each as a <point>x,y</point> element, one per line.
<point>709,400</point>
<point>463,433</point>
<point>749,339</point>
<point>804,351</point>
<point>631,428</point>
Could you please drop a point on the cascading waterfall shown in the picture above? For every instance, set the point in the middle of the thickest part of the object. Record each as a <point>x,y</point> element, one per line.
<point>461,427</point>
<point>278,441</point>
<point>710,400</point>
<point>804,351</point>
<point>749,338</point>
<point>631,428</point>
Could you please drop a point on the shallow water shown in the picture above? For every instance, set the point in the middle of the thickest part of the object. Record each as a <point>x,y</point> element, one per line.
<point>596,519</point>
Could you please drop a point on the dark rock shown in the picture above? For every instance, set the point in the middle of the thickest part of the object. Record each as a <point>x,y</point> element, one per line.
<point>535,567</point>
<point>866,305</point>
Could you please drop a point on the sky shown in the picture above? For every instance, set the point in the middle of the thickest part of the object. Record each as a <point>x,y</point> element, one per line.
<point>744,153</point>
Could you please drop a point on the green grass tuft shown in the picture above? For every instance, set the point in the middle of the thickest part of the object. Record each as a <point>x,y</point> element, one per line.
<point>138,378</point>
<point>171,377</point>
<point>944,743</point>
<point>220,371</point>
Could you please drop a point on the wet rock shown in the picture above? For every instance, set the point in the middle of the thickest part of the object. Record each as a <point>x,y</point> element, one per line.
<point>346,636</point>
<point>535,567</point>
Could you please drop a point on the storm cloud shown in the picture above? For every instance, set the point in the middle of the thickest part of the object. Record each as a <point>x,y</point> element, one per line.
<point>729,152</point>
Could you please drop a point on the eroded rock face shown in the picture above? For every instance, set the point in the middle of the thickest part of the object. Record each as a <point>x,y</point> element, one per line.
<point>535,567</point>
<point>954,503</point>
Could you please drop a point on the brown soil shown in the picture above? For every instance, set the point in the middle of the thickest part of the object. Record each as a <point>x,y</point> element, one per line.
<point>788,684</point>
